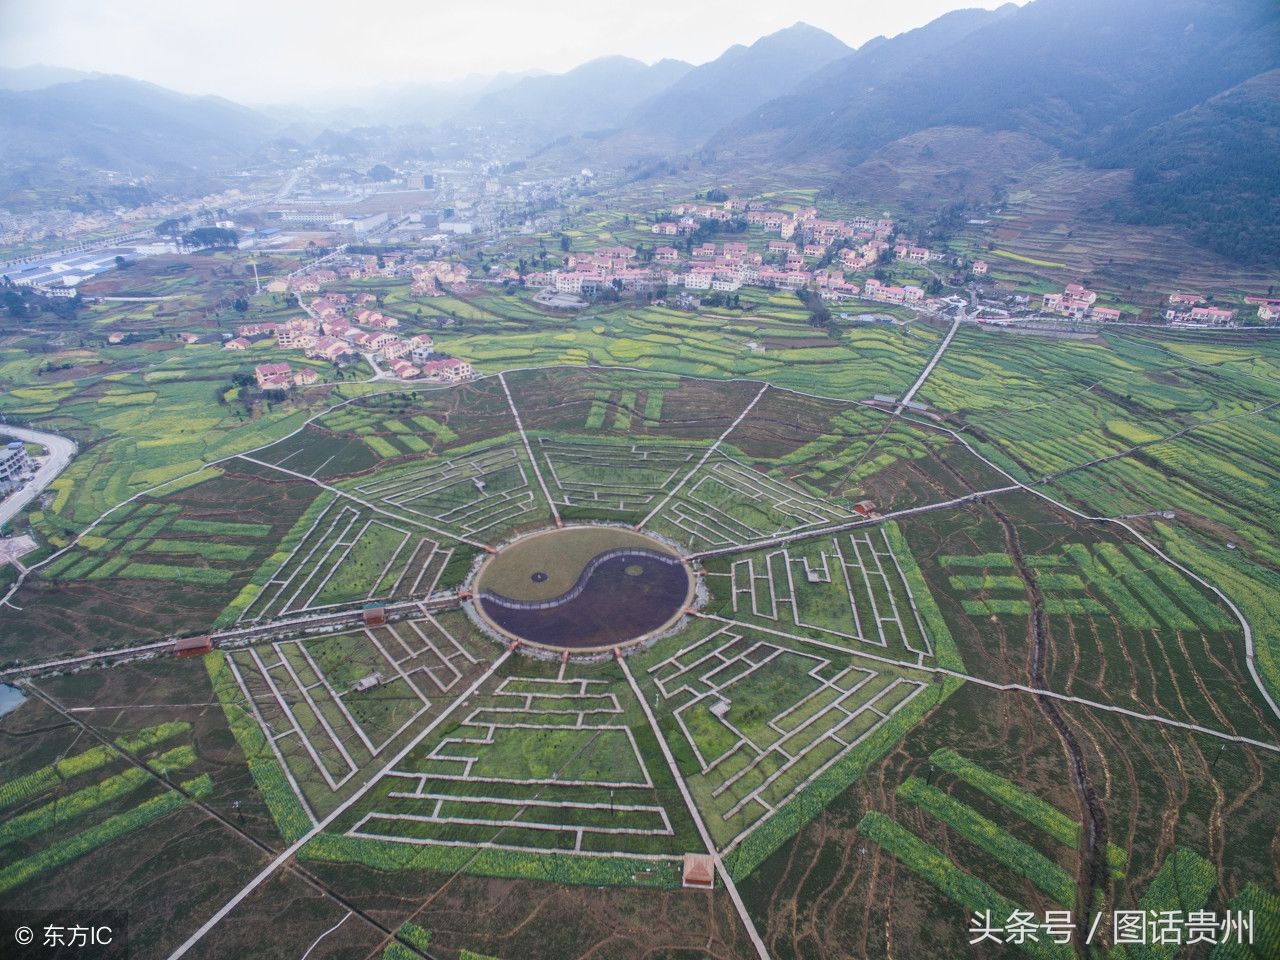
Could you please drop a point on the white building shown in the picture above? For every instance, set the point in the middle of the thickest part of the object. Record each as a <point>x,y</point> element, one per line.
<point>14,463</point>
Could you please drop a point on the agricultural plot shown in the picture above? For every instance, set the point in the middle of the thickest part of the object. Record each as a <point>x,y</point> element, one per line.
<point>60,812</point>
<point>1122,625</point>
<point>755,721</point>
<point>648,407</point>
<point>159,564</point>
<point>547,767</point>
<point>340,553</point>
<point>1023,870</point>
<point>618,479</point>
<point>726,503</point>
<point>850,590</point>
<point>1099,578</point>
<point>838,449</point>
<point>328,708</point>
<point>477,496</point>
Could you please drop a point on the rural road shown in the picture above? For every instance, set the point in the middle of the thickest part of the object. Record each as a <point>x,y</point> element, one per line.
<point>924,374</point>
<point>61,450</point>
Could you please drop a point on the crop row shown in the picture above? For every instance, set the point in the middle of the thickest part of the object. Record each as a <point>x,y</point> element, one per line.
<point>1183,884</point>
<point>149,737</point>
<point>1032,809</point>
<point>566,868</point>
<point>65,809</point>
<point>1265,908</point>
<point>77,845</point>
<point>932,865</point>
<point>286,809</point>
<point>1018,856</point>
<point>46,778</point>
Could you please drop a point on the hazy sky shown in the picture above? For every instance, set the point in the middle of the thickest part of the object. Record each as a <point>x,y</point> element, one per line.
<point>269,51</point>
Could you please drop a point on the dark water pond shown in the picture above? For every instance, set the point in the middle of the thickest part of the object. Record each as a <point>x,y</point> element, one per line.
<point>620,596</point>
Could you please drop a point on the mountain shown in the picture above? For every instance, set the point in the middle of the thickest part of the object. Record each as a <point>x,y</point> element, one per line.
<point>1213,170</point>
<point>596,95</point>
<point>126,125</point>
<point>1082,75</point>
<point>738,81</point>
<point>872,72</point>
<point>38,76</point>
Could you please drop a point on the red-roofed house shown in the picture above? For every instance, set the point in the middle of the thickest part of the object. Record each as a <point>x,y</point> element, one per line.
<point>699,871</point>
<point>273,376</point>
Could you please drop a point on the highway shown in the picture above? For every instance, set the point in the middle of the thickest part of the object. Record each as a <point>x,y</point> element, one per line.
<point>61,450</point>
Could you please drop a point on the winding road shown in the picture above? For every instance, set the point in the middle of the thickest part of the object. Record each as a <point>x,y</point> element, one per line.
<point>61,450</point>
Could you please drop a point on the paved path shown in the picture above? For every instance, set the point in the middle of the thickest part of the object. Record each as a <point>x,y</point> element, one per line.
<point>61,450</point>
<point>933,362</point>
<point>741,907</point>
<point>705,457</point>
<point>307,625</point>
<point>994,685</point>
<point>338,811</point>
<point>367,504</point>
<point>528,449</point>
<point>808,533</point>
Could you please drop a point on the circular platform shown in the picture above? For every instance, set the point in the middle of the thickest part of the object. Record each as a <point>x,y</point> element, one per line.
<point>583,588</point>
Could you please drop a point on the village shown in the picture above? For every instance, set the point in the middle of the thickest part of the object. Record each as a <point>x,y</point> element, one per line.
<point>703,256</point>
<point>341,328</point>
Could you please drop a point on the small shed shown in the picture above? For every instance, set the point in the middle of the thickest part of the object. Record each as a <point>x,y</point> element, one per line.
<point>374,614</point>
<point>367,683</point>
<point>192,646</point>
<point>699,871</point>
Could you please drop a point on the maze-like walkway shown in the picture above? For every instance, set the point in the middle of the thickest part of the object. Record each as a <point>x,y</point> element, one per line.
<point>850,587</point>
<point>726,503</point>
<point>612,476</point>
<point>765,720</point>
<point>473,495</point>
<point>538,766</point>
<point>349,554</point>
<point>329,707</point>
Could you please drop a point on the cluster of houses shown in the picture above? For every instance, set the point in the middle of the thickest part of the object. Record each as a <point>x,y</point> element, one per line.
<point>588,274</point>
<point>1077,302</point>
<point>356,267</point>
<point>281,376</point>
<point>431,279</point>
<point>1268,308</point>
<point>1191,310</point>
<point>787,263</point>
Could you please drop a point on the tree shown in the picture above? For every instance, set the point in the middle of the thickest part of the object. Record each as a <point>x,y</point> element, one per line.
<point>210,237</point>
<point>121,262</point>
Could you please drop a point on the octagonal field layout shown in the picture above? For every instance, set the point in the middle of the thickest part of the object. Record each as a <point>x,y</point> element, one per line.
<point>583,587</point>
